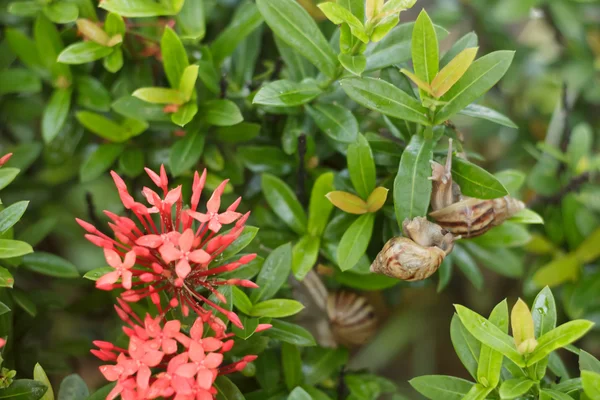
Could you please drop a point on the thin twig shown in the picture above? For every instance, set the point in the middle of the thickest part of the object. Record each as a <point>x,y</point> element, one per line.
<point>300,187</point>
<point>223,86</point>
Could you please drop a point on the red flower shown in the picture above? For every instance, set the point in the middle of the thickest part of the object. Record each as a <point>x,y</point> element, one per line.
<point>175,252</point>
<point>162,361</point>
<point>4,159</point>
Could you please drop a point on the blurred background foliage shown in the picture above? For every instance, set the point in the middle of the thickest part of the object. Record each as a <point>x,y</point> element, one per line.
<point>551,92</point>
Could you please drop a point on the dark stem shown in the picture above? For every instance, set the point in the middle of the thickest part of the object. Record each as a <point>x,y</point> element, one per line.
<point>574,185</point>
<point>300,188</point>
<point>223,86</point>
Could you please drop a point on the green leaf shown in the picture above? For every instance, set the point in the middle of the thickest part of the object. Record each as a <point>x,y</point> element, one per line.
<point>50,44</point>
<point>25,8</point>
<point>99,161</point>
<point>142,8</point>
<point>304,255</point>
<point>24,389</point>
<point>4,308</point>
<point>268,159</point>
<point>481,112</point>
<point>479,78</point>
<point>285,93</point>
<point>284,203</point>
<point>83,52</point>
<point>55,114</point>
<point>73,388</point>
<point>465,345</point>
<point>290,333</point>
<point>6,278</point>
<point>191,20</point>
<point>383,97</point>
<point>561,336</point>
<point>527,216</point>
<point>186,152</point>
<point>476,182</point>
<point>221,113</point>
<point>355,64</point>
<point>276,308</point>
<point>588,362</point>
<point>97,273</point>
<point>514,388</point>
<point>543,311</point>
<point>39,375</point>
<point>102,126</point>
<point>468,266</point>
<point>299,394</point>
<point>511,179</point>
<point>131,162</point>
<point>558,271</point>
<point>227,389</point>
<point>23,300</point>
<point>291,363</point>
<point>13,248</point>
<point>242,132</point>
<point>114,61</point>
<point>246,19</point>
<point>489,334</point>
<point>61,12</point>
<point>490,361</point>
<point>241,301</point>
<point>24,48</point>
<point>241,242</point>
<point>412,187</point>
<point>320,363</point>
<point>438,387</point>
<point>7,175</point>
<point>188,81</point>
<point>339,15</point>
<point>425,50</point>
<point>50,265</point>
<point>92,94</point>
<point>175,59</point>
<point>19,80</point>
<point>361,167</point>
<point>355,241</point>
<point>591,384</point>
<point>500,260</point>
<point>468,40</point>
<point>11,215</point>
<point>102,393</point>
<point>509,234</point>
<point>320,208</point>
<point>335,121</point>
<point>273,274</point>
<point>293,25</point>
<point>159,95</point>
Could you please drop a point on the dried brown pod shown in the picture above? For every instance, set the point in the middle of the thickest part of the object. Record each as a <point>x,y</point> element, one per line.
<point>461,215</point>
<point>417,255</point>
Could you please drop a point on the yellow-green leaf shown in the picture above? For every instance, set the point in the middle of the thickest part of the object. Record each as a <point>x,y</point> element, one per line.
<point>377,199</point>
<point>40,375</point>
<point>558,271</point>
<point>452,72</point>
<point>158,95</point>
<point>418,81</point>
<point>188,80</point>
<point>348,202</point>
<point>521,322</point>
<point>92,31</point>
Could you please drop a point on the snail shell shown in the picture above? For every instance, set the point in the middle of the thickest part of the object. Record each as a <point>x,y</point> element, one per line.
<point>416,256</point>
<point>473,217</point>
<point>352,318</point>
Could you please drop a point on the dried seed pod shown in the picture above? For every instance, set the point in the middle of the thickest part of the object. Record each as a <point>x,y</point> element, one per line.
<point>352,318</point>
<point>473,217</point>
<point>416,256</point>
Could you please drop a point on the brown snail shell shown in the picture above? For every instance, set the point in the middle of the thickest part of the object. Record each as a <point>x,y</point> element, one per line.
<point>352,318</point>
<point>416,256</point>
<point>473,217</point>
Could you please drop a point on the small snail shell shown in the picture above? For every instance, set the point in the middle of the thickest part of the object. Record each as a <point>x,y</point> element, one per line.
<point>352,318</point>
<point>417,256</point>
<point>473,217</point>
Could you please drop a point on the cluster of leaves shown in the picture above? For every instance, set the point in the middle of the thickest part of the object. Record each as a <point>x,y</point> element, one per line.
<point>514,367</point>
<point>319,128</point>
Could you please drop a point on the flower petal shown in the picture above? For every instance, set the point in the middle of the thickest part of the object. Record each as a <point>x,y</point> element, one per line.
<point>112,258</point>
<point>199,256</point>
<point>169,253</point>
<point>183,268</point>
<point>186,240</point>
<point>152,241</point>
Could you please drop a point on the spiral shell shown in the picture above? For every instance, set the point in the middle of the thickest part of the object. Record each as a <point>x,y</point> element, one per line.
<point>352,318</point>
<point>473,217</point>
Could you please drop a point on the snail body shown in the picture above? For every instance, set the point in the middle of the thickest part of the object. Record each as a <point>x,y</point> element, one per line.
<point>352,318</point>
<point>417,255</point>
<point>472,217</point>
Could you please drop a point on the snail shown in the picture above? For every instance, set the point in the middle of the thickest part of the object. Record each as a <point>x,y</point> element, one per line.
<point>336,318</point>
<point>417,255</point>
<point>464,216</point>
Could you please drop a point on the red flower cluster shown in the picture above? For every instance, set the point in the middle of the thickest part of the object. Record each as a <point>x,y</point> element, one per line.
<point>170,249</point>
<point>153,366</point>
<point>166,253</point>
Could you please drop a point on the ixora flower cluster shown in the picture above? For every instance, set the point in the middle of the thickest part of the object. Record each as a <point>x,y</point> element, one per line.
<point>169,253</point>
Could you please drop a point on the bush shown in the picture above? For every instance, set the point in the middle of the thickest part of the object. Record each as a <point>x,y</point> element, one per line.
<point>374,158</point>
